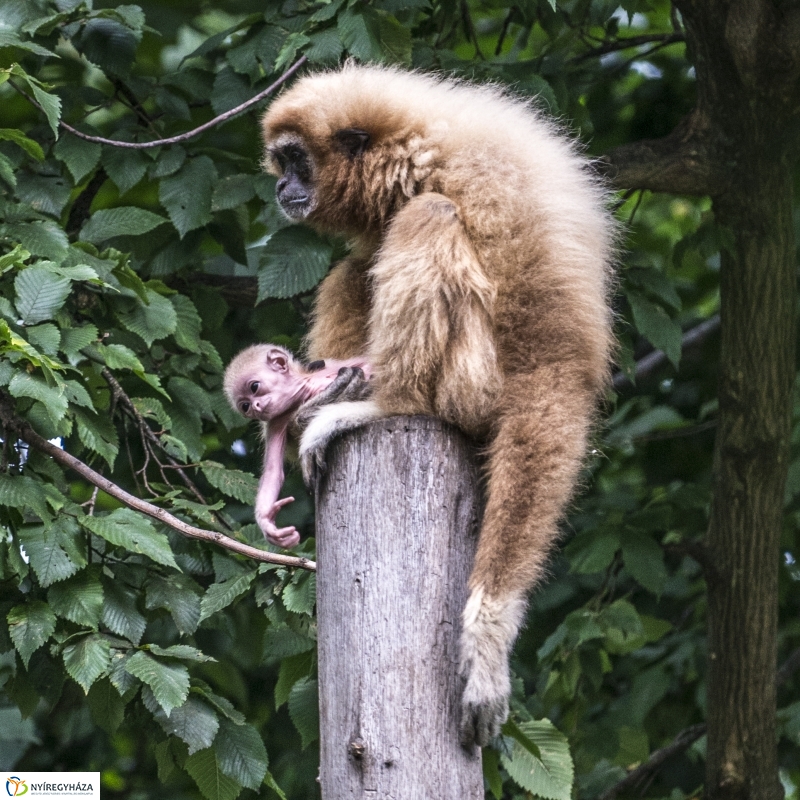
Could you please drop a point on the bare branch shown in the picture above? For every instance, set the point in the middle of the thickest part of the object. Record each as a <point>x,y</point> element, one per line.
<point>647,365</point>
<point>27,434</point>
<point>663,39</point>
<point>218,120</point>
<point>678,163</point>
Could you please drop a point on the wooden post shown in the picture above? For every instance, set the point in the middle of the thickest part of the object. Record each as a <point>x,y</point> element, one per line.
<point>397,523</point>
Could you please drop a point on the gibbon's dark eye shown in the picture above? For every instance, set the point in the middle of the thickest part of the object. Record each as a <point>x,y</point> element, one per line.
<point>253,387</point>
<point>280,159</point>
<point>244,407</point>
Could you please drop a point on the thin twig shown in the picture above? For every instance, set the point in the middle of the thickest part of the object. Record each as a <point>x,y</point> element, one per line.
<point>504,30</point>
<point>218,120</point>
<point>27,434</point>
<point>663,39</point>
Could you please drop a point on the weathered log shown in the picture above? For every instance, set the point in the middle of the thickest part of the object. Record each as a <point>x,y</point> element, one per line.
<point>397,522</point>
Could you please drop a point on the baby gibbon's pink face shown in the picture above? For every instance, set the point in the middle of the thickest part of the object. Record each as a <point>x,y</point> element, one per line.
<point>268,388</point>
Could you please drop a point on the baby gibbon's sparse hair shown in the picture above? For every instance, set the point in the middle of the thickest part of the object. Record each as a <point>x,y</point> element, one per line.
<point>477,287</point>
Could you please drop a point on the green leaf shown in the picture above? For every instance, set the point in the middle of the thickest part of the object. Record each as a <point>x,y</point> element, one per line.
<point>7,171</point>
<point>51,105</point>
<point>32,148</point>
<point>156,320</point>
<point>20,491</point>
<point>78,599</point>
<point>73,340</point>
<point>284,642</point>
<point>232,191</point>
<point>168,681</point>
<point>120,613</point>
<point>106,705</point>
<point>294,261</point>
<point>623,627</point>
<point>359,33</point>
<point>133,531</point>
<point>221,595</point>
<point>193,722</point>
<point>187,331</point>
<point>98,433</point>
<point>30,626</point>
<point>87,659</point>
<point>184,651</point>
<point>39,294</point>
<point>179,595</point>
<point>304,709</point>
<point>395,39</point>
<point>187,195</point>
<point>326,47</point>
<point>592,551</point>
<point>53,398</point>
<point>292,669</point>
<point>240,485</point>
<point>125,167</point>
<point>80,156</point>
<point>204,768</point>
<point>10,39</point>
<point>42,238</point>
<point>300,595</point>
<point>644,559</point>
<point>654,323</point>
<point>548,776</point>
<point>48,553</point>
<point>491,772</point>
<point>45,337</point>
<point>241,754</point>
<point>118,356</point>
<point>122,221</point>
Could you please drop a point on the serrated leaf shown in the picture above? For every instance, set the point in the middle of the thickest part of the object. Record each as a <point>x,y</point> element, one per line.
<point>124,166</point>
<point>39,294</point>
<point>233,482</point>
<point>120,613</point>
<point>152,408</point>
<point>74,340</point>
<point>204,768</point>
<point>187,195</point>
<point>32,148</point>
<point>20,491</point>
<point>168,681</point>
<point>46,338</point>
<point>184,651</point>
<point>30,626</point>
<point>284,642</point>
<point>51,105</point>
<point>654,323</point>
<point>41,238</point>
<point>106,705</point>
<point>549,776</point>
<point>304,710</point>
<point>80,156</point>
<point>193,722</point>
<point>395,40</point>
<point>187,331</point>
<point>118,356</point>
<point>97,432</point>
<point>358,33</point>
<point>294,261</point>
<point>54,398</point>
<point>644,559</point>
<point>43,546</point>
<point>326,47</point>
<point>232,191</point>
<point>221,595</point>
<point>87,659</point>
<point>78,599</point>
<point>301,595</point>
<point>126,528</point>
<point>241,754</point>
<point>122,221</point>
<point>7,171</point>
<point>177,594</point>
<point>592,551</point>
<point>292,669</point>
<point>156,320</point>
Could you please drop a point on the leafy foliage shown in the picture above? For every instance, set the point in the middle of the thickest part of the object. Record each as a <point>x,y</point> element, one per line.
<point>128,277</point>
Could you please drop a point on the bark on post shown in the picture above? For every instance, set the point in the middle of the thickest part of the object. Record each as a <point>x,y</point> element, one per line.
<point>397,522</point>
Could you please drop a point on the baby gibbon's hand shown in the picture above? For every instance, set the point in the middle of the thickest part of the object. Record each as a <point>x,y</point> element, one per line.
<point>265,517</point>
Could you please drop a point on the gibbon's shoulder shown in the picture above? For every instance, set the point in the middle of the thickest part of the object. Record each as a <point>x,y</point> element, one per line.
<point>392,103</point>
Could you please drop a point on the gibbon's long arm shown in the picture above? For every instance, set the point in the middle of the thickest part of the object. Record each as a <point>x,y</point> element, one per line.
<point>269,486</point>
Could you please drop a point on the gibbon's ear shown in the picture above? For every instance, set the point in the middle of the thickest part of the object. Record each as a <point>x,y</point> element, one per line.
<point>352,141</point>
<point>277,360</point>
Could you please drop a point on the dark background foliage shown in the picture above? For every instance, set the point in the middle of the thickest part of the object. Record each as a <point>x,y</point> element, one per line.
<point>128,277</point>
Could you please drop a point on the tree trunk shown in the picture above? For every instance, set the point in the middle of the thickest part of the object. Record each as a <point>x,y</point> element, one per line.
<point>397,523</point>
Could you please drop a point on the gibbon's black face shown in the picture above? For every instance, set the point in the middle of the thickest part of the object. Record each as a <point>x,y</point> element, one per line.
<point>295,188</point>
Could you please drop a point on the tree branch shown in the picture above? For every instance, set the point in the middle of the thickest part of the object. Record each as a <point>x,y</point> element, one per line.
<point>683,740</point>
<point>188,134</point>
<point>662,39</point>
<point>679,163</point>
<point>647,365</point>
<point>26,433</point>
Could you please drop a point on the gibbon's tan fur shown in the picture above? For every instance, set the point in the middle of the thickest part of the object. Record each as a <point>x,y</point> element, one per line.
<point>477,287</point>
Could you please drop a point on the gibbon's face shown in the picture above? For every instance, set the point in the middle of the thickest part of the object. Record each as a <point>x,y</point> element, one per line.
<point>296,190</point>
<point>266,389</point>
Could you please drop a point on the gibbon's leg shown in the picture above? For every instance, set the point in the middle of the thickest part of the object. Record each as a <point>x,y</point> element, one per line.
<point>339,317</point>
<point>430,330</point>
<point>533,464</point>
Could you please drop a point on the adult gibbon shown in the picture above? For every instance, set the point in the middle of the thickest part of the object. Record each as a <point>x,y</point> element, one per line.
<point>476,288</point>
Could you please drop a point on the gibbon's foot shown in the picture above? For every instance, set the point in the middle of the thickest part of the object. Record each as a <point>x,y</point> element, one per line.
<point>490,625</point>
<point>327,423</point>
<point>350,384</point>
